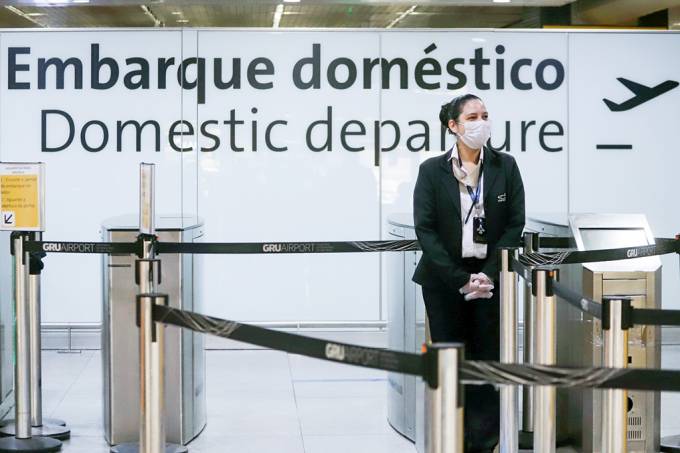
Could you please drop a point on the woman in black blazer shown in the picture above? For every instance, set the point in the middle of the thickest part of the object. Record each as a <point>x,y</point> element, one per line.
<point>461,219</point>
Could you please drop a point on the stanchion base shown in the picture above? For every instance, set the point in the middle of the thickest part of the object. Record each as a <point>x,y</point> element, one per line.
<point>133,447</point>
<point>32,445</point>
<point>53,431</point>
<point>670,444</point>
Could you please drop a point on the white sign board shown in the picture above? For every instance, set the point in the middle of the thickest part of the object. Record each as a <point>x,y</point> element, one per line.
<point>318,135</point>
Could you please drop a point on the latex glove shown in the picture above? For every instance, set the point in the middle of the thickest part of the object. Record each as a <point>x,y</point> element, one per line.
<point>484,278</point>
<point>477,282</point>
<point>479,294</point>
<point>470,286</point>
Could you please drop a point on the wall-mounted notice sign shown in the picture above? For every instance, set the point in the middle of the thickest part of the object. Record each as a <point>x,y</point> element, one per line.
<point>22,188</point>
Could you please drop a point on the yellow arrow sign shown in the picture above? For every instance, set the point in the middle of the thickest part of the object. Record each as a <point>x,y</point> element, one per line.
<point>21,196</point>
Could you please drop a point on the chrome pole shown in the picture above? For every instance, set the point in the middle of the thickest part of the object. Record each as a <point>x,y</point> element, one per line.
<point>40,427</point>
<point>615,324</point>
<point>151,336</point>
<point>22,439</point>
<point>444,400</point>
<point>508,441</point>
<point>151,350</point>
<point>22,368</point>
<point>546,354</point>
<point>530,246</point>
<point>36,362</point>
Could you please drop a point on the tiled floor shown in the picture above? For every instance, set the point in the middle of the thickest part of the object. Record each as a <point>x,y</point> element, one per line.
<point>262,401</point>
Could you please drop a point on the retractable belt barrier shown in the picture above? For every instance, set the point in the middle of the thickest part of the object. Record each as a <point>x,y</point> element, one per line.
<point>638,316</point>
<point>663,246</point>
<point>223,248</point>
<point>471,371</point>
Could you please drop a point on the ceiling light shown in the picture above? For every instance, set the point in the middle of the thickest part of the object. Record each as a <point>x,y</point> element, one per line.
<point>182,21</point>
<point>81,1</point>
<point>291,1</point>
<point>177,13</point>
<point>35,14</point>
<point>501,1</point>
<point>411,10</point>
<point>277,15</point>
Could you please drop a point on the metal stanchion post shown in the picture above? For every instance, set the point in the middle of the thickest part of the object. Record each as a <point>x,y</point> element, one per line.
<point>152,430</point>
<point>615,325</point>
<point>39,425</point>
<point>444,400</point>
<point>508,441</point>
<point>526,435</point>
<point>151,374</point>
<point>23,440</point>
<point>544,396</point>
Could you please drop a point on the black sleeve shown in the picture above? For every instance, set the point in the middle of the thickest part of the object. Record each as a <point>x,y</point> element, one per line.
<point>425,217</point>
<point>512,236</point>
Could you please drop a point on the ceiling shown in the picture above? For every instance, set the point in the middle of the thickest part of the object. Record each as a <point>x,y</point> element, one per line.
<point>263,13</point>
<point>316,13</point>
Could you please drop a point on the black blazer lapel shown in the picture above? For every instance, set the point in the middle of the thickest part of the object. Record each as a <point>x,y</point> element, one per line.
<point>450,183</point>
<point>491,170</point>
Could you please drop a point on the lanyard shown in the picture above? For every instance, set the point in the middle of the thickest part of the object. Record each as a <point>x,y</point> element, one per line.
<point>474,195</point>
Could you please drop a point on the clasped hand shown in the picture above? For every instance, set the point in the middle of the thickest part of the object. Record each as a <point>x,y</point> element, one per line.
<point>479,287</point>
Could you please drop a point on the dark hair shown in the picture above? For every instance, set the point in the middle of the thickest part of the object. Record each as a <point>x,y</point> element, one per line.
<point>452,110</point>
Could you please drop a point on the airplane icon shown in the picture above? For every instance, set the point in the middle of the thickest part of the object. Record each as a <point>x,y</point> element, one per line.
<point>642,93</point>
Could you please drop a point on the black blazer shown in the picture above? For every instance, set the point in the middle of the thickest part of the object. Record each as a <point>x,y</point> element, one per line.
<point>436,212</point>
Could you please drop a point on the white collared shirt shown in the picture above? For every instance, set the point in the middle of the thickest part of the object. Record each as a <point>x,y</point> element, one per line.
<point>468,175</point>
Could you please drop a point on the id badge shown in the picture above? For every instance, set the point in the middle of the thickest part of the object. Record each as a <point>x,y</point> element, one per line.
<point>479,229</point>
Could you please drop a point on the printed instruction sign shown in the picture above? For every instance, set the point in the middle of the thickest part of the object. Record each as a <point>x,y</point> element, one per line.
<point>22,196</point>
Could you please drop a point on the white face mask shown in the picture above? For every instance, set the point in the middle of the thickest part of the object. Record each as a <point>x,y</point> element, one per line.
<point>476,134</point>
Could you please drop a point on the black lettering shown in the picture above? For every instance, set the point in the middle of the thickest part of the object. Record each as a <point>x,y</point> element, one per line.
<point>514,74</point>
<point>525,128</point>
<point>234,81</point>
<point>173,133</point>
<point>315,79</point>
<point>344,132</point>
<point>267,136</point>
<point>540,74</point>
<point>254,71</point>
<point>451,69</point>
<point>500,68</point>
<point>543,133</point>
<point>199,83</point>
<point>506,143</point>
<point>163,66</point>
<point>120,126</point>
<point>424,136</point>
<point>215,138</point>
<point>479,62</point>
<point>60,69</point>
<point>328,144</point>
<point>232,122</point>
<point>434,69</point>
<point>43,131</point>
<point>83,136</point>
<point>142,73</point>
<point>397,135</point>
<point>13,68</point>
<point>96,65</point>
<point>333,77</point>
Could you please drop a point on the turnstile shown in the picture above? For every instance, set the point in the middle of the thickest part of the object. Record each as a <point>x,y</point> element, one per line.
<point>406,329</point>
<point>185,398</point>
<point>579,337</point>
